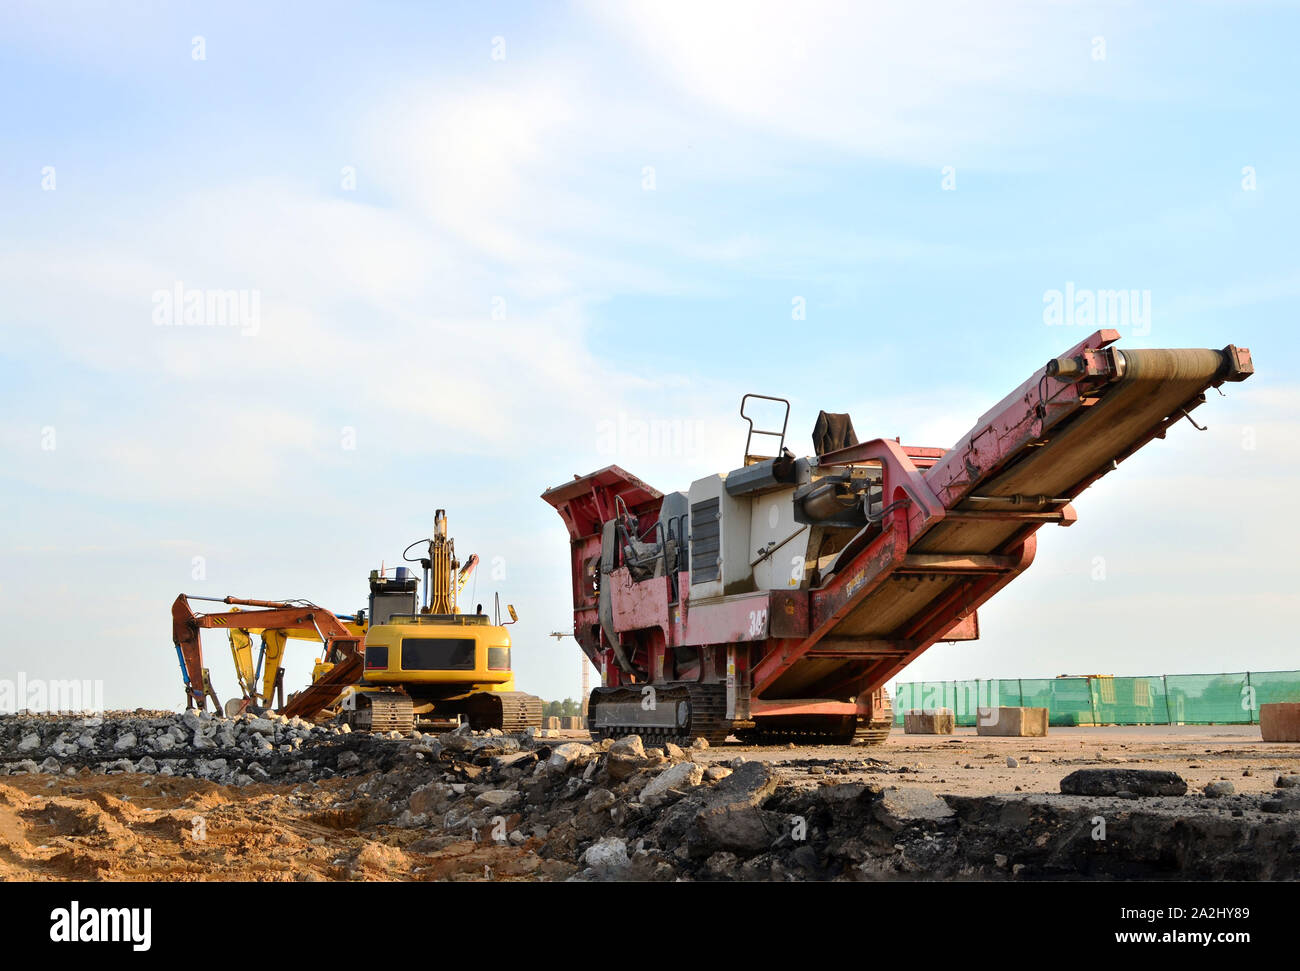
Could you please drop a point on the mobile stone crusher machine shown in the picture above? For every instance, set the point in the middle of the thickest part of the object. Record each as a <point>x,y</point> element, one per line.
<point>776,601</point>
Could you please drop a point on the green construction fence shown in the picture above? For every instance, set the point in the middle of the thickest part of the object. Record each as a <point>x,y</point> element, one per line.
<point>1163,699</point>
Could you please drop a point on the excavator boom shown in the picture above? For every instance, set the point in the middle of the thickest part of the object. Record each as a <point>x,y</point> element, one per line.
<point>342,646</point>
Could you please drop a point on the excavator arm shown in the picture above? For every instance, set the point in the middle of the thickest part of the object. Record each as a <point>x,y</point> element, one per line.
<point>342,647</point>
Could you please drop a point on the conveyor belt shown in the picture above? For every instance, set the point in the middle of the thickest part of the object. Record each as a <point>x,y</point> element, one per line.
<point>1155,385</point>
<point>1082,428</point>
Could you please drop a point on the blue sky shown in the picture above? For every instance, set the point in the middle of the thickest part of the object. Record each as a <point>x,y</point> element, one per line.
<point>563,214</point>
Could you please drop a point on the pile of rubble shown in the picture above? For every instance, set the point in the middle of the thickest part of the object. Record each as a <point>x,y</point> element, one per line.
<point>622,810</point>
<point>228,751</point>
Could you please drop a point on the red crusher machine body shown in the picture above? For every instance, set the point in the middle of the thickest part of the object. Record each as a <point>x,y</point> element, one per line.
<point>775,602</point>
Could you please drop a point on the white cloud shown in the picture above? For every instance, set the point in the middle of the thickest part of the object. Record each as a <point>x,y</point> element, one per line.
<point>913,82</point>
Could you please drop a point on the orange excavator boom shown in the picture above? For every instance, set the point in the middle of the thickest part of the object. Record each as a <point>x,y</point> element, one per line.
<point>342,647</point>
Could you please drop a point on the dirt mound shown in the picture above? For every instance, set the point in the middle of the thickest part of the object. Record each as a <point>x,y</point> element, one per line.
<point>488,806</point>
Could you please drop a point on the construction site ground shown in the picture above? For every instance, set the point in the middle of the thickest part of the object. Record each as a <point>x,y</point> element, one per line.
<point>972,764</point>
<point>483,808</point>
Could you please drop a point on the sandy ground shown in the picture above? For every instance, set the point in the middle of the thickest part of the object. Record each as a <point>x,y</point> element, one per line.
<point>134,827</point>
<point>970,764</point>
<point>137,827</point>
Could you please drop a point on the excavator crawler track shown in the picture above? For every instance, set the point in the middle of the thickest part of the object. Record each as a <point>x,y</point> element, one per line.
<point>510,711</point>
<point>704,715</point>
<point>383,712</point>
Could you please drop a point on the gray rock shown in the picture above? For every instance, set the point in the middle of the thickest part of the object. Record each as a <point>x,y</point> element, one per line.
<point>1286,801</point>
<point>629,745</point>
<point>1112,782</point>
<point>456,742</point>
<point>515,760</point>
<point>496,799</point>
<point>29,743</point>
<point>209,768</point>
<point>731,818</point>
<point>744,829</point>
<point>569,754</point>
<point>898,808</point>
<point>457,817</point>
<point>432,798</point>
<point>1287,781</point>
<point>1216,790</point>
<point>125,742</point>
<point>608,853</point>
<point>683,775</point>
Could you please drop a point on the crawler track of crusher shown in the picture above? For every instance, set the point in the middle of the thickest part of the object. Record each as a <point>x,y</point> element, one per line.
<point>679,713</point>
<point>510,711</point>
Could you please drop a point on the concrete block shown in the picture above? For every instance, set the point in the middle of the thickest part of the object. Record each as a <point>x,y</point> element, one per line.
<point>553,723</point>
<point>1280,722</point>
<point>573,723</point>
<point>1017,722</point>
<point>929,721</point>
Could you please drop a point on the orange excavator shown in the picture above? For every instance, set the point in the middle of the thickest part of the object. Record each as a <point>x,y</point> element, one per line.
<point>342,659</point>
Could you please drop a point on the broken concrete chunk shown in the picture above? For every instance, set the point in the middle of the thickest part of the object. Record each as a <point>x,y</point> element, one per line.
<point>598,800</point>
<point>1123,782</point>
<point>609,852</point>
<point>496,799</point>
<point>683,775</point>
<point>899,808</point>
<point>629,745</point>
<point>568,754</point>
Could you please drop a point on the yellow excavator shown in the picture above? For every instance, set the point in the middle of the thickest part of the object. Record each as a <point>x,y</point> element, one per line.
<point>430,665</point>
<point>426,665</point>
